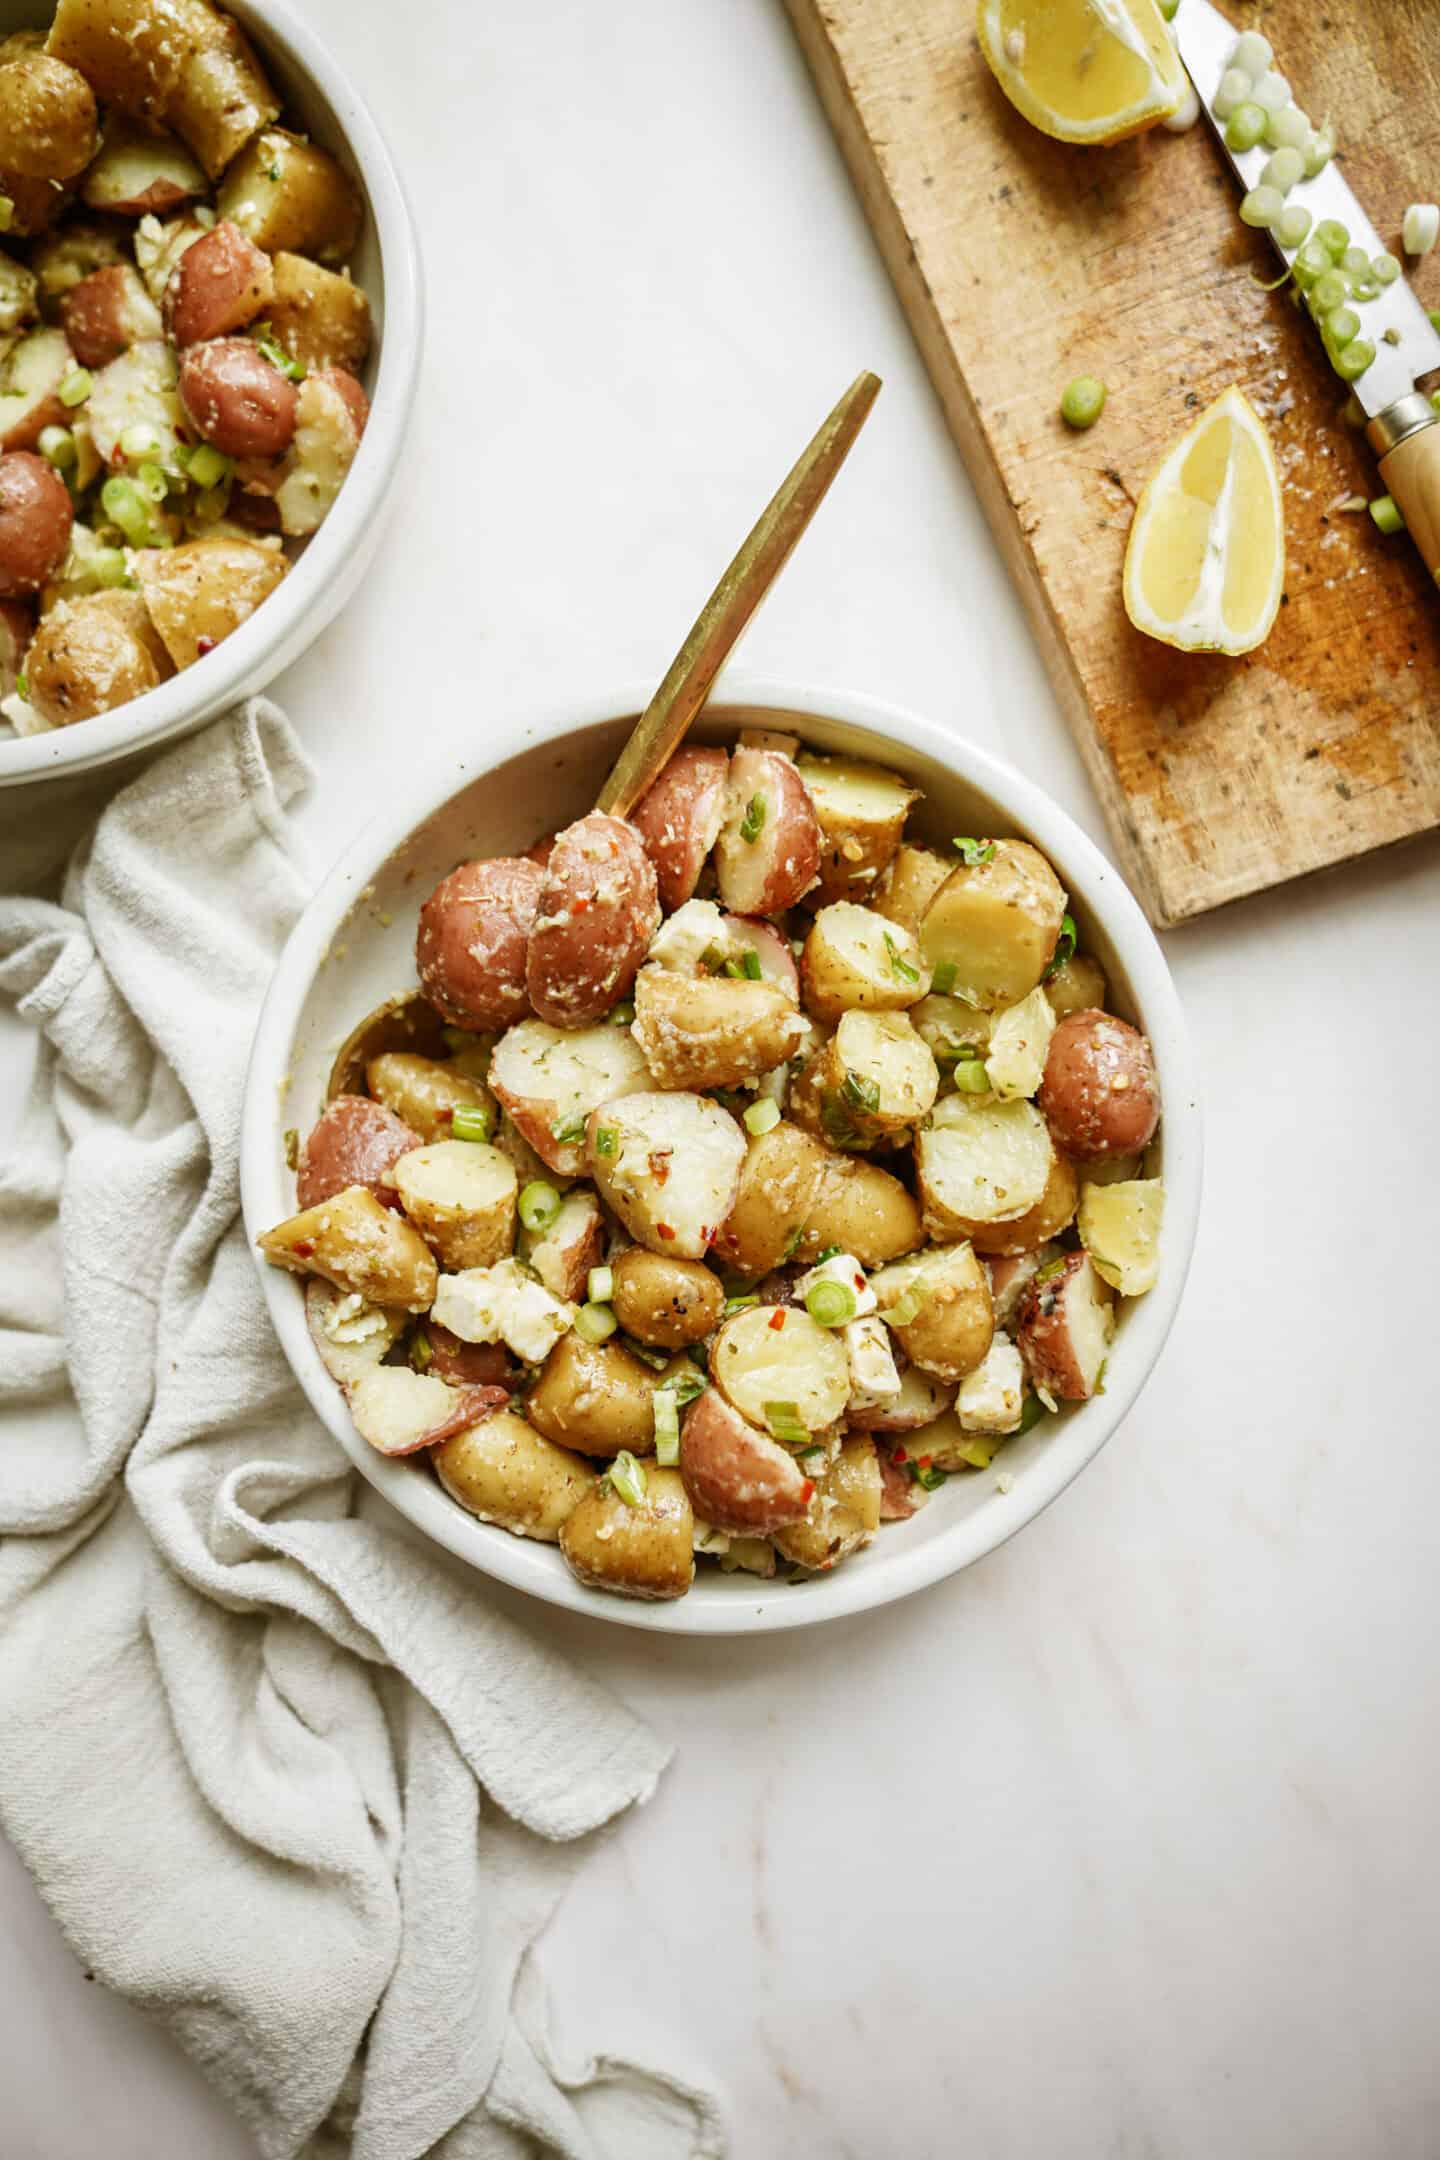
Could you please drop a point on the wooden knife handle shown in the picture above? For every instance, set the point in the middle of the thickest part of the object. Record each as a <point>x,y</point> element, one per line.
<point>1411,472</point>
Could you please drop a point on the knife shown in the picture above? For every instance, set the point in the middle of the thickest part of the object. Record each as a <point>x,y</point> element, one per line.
<point>1401,423</point>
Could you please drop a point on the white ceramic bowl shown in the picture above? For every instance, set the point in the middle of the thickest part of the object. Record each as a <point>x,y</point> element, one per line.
<point>353,947</point>
<point>386,263</point>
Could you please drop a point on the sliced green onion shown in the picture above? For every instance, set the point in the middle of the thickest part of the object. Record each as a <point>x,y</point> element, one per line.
<point>864,1094</point>
<point>1167,8</point>
<point>1051,1267</point>
<point>1271,92</point>
<point>1031,1413</point>
<point>126,507</point>
<point>1064,946</point>
<point>739,1303</point>
<point>1340,326</point>
<point>207,467</point>
<point>1420,228</point>
<point>665,1408</point>
<point>762,1117</point>
<point>1289,129</point>
<point>595,1323</point>
<point>606,1140</point>
<point>622,1014</point>
<point>685,1387</point>
<point>829,1253</point>
<point>7,212</point>
<point>1261,206</point>
<point>277,355</point>
<point>420,1351</point>
<point>906,1308</point>
<point>1351,364</point>
<point>750,965</point>
<point>1234,89</point>
<point>470,1121</point>
<point>1312,262</point>
<point>931,1477</point>
<point>628,1478</point>
<point>975,852</point>
<point>1292,225</point>
<point>22,687</point>
<point>1083,402</point>
<point>1252,53</point>
<point>1319,150</point>
<point>1355,262</point>
<point>1328,292</point>
<point>139,441</point>
<point>942,981</point>
<point>1334,236</point>
<point>1387,514</point>
<point>971,1077</point>
<point>569,1129</point>
<point>831,1304</point>
<point>76,387</point>
<point>539,1205</point>
<point>1364,289</point>
<point>900,967</point>
<point>1246,125</point>
<point>600,1285</point>
<point>753,822</point>
<point>57,446</point>
<point>1384,268</point>
<point>784,1421</point>
<point>657,1360</point>
<point>1283,169</point>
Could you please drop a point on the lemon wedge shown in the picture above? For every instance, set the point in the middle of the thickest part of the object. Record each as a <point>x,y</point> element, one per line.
<point>1087,71</point>
<point>1119,1227</point>
<point>1205,561</point>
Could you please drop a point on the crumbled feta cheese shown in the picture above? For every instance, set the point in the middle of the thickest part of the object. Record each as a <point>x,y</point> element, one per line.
<point>874,1379</point>
<point>502,1304</point>
<point>350,1320</point>
<point>992,1397</point>
<point>681,942</point>
<point>845,1269</point>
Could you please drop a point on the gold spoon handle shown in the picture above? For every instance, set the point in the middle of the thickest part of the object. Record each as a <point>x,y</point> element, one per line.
<point>659,731</point>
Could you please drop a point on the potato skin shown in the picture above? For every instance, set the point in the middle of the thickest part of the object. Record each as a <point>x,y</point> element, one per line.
<point>1052,1213</point>
<point>35,522</point>
<point>219,285</point>
<point>844,1512</point>
<point>768,874</point>
<point>241,404</point>
<point>506,1473</point>
<point>92,654</point>
<point>640,1552</point>
<point>106,313</point>
<point>200,592</point>
<point>595,1398</point>
<point>1061,1325</point>
<point>779,1183</point>
<point>186,65</point>
<point>1100,1093</point>
<point>354,1142</point>
<point>1077,984</point>
<point>679,819</point>
<point>861,810</point>
<point>471,943</point>
<point>597,914</point>
<point>862,1209</point>
<point>995,923</point>
<point>137,174</point>
<point>320,318</point>
<point>738,1478</point>
<point>358,1245</point>
<point>49,128</point>
<point>424,1092</point>
<point>955,1326</point>
<point>475,1229</point>
<point>832,982</point>
<point>285,192</point>
<point>667,1304</point>
<point>711,1031</point>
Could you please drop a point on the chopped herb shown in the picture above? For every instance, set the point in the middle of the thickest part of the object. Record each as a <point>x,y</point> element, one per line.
<point>683,1387</point>
<point>976,852</point>
<point>22,687</point>
<point>713,960</point>
<point>930,1477</point>
<point>277,355</point>
<point>272,172</point>
<point>657,1360</point>
<point>622,1014</point>
<point>943,979</point>
<point>750,965</point>
<point>738,1304</point>
<point>792,1243</point>
<point>836,1123</point>
<point>1064,947</point>
<point>1051,1267</point>
<point>864,1094</point>
<point>7,212</point>
<point>292,1148</point>
<point>786,1425</point>
<point>900,967</point>
<point>830,1253</point>
<point>753,822</point>
<point>569,1129</point>
<point>606,1139</point>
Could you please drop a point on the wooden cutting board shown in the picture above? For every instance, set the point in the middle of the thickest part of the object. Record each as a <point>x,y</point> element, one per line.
<point>1022,262</point>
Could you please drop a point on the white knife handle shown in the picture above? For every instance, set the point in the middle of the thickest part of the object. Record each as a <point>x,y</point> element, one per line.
<point>1411,472</point>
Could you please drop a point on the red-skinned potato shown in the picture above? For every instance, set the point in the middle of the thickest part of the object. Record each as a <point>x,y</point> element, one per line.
<point>679,819</point>
<point>328,424</point>
<point>598,912</point>
<point>219,285</point>
<point>107,313</point>
<point>463,1364</point>
<point>138,174</point>
<point>35,522</point>
<point>354,1142</point>
<point>30,379</point>
<point>400,1412</point>
<point>17,627</point>
<point>350,392</point>
<point>777,962</point>
<point>1065,1326</point>
<point>233,397</point>
<point>550,1079</point>
<point>768,851</point>
<point>471,944</point>
<point>738,1478</point>
<point>1100,1094</point>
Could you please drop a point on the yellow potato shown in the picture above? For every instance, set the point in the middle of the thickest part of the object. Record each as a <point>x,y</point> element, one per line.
<point>92,654</point>
<point>779,1183</point>
<point>424,1092</point>
<point>48,122</point>
<point>357,1244</point>
<point>198,593</point>
<point>184,64</point>
<point>771,1354</point>
<point>506,1473</point>
<point>954,1324</point>
<point>978,1160</point>
<point>908,886</point>
<point>460,1195</point>
<point>877,1078</point>
<point>712,1031</point>
<point>862,810</point>
<point>644,1551</point>
<point>988,934</point>
<point>855,957</point>
<point>1051,1214</point>
<point>844,1513</point>
<point>286,193</point>
<point>1120,1229</point>
<point>862,1209</point>
<point>594,1397</point>
<point>319,317</point>
<point>1077,985</point>
<point>663,1302</point>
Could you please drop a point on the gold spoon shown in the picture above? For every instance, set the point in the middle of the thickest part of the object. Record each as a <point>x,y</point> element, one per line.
<point>659,731</point>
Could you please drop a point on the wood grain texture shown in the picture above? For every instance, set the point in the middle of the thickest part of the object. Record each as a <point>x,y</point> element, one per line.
<point>1022,262</point>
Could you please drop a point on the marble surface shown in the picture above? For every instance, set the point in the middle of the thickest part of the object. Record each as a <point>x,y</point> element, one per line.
<point>1121,1844</point>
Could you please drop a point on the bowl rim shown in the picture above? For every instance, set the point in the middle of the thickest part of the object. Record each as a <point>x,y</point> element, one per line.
<point>295,614</point>
<point>1102,893</point>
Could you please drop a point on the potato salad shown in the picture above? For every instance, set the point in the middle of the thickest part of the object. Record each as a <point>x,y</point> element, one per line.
<point>180,349</point>
<point>738,1174</point>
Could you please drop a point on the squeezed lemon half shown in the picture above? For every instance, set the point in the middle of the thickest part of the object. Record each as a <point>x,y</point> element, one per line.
<point>1205,561</point>
<point>1087,71</point>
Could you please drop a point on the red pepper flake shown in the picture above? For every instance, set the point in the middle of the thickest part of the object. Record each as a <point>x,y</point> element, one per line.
<point>204,645</point>
<point>579,904</point>
<point>303,1249</point>
<point>443,1116</point>
<point>924,1461</point>
<point>808,1491</point>
<point>897,1454</point>
<point>777,1319</point>
<point>859,1282</point>
<point>665,1230</point>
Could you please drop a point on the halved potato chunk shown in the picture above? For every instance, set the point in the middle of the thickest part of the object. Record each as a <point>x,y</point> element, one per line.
<point>669,1166</point>
<point>862,810</point>
<point>358,1245</point>
<point>506,1473</point>
<point>643,1549</point>
<point>776,1354</point>
<point>945,1294</point>
<point>989,932</point>
<point>844,1512</point>
<point>550,1079</point>
<point>711,1031</point>
<point>460,1195</point>
<point>980,1161</point>
<point>854,957</point>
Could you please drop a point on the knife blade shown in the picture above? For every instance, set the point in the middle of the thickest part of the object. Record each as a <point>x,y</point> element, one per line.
<point>1412,348</point>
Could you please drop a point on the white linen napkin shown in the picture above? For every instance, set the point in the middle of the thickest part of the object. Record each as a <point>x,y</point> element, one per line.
<point>282,1781</point>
